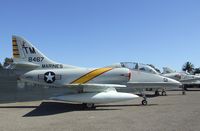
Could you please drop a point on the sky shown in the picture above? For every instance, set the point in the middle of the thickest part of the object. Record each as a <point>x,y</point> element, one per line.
<point>96,33</point>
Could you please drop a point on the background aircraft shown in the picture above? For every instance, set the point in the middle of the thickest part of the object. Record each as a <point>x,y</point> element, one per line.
<point>184,77</point>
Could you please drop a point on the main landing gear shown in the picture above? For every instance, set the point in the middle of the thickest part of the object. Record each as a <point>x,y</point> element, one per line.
<point>163,93</point>
<point>89,106</point>
<point>157,93</point>
<point>183,90</point>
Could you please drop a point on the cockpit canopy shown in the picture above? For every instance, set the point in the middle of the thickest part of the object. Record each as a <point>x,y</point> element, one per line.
<point>138,66</point>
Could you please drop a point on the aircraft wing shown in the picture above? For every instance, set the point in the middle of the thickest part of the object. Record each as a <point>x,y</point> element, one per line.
<point>93,87</point>
<point>86,93</point>
<point>24,65</point>
<point>188,81</point>
<point>144,85</point>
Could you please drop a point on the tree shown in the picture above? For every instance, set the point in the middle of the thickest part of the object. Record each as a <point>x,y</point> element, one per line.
<point>7,62</point>
<point>188,66</point>
<point>197,70</point>
<point>1,67</point>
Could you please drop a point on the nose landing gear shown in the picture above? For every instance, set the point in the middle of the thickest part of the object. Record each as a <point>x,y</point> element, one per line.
<point>144,101</point>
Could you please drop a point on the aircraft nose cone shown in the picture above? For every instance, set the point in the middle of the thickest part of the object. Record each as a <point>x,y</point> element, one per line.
<point>173,82</point>
<point>129,96</point>
<point>133,96</point>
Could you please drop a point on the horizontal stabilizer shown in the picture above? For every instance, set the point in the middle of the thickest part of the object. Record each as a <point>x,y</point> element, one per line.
<point>25,65</point>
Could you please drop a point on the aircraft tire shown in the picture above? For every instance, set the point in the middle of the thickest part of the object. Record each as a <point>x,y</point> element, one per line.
<point>157,93</point>
<point>144,102</point>
<point>164,93</point>
<point>89,106</point>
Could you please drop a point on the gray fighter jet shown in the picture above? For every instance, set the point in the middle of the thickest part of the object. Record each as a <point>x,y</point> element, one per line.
<point>183,77</point>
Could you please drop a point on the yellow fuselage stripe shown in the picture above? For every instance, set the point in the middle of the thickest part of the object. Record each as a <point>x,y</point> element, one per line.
<point>91,75</point>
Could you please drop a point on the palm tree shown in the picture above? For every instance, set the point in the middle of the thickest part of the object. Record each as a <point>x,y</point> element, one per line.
<point>197,70</point>
<point>188,66</point>
<point>7,62</point>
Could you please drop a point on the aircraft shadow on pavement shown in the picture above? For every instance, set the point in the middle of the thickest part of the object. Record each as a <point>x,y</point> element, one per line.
<point>52,108</point>
<point>126,105</point>
<point>148,95</point>
<point>7,107</point>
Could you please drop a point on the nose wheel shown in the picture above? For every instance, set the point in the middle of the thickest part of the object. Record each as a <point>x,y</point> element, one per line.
<point>144,102</point>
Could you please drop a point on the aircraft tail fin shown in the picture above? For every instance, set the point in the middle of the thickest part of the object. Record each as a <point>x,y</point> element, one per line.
<point>167,70</point>
<point>26,55</point>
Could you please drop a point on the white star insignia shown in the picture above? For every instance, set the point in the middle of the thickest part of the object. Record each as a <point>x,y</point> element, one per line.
<point>49,77</point>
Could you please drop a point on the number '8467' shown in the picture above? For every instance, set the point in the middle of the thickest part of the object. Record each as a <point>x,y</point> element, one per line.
<point>35,59</point>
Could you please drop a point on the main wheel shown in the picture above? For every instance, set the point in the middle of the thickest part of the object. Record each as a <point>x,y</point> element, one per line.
<point>185,88</point>
<point>144,102</point>
<point>164,93</point>
<point>183,93</point>
<point>90,106</point>
<point>157,93</point>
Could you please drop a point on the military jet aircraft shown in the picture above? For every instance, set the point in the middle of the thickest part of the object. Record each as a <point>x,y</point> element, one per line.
<point>88,86</point>
<point>76,84</point>
<point>184,77</point>
<point>145,77</point>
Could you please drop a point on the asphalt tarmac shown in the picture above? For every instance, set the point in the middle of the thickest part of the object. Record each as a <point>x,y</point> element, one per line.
<point>175,112</point>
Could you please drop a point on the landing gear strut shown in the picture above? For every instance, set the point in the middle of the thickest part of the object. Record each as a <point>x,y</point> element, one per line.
<point>157,93</point>
<point>144,101</point>
<point>183,90</point>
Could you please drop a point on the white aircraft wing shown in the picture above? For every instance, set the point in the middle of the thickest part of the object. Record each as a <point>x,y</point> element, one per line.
<point>144,85</point>
<point>94,87</point>
<point>189,80</point>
